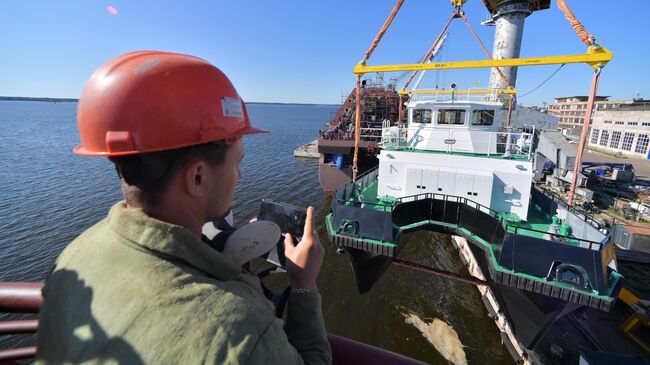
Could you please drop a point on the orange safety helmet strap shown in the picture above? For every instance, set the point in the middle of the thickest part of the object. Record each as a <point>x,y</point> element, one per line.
<point>151,101</point>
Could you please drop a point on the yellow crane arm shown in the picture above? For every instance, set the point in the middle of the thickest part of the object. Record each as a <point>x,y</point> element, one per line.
<point>596,57</point>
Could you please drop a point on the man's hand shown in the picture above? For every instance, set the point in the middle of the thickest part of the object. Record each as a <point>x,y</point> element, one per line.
<point>304,259</point>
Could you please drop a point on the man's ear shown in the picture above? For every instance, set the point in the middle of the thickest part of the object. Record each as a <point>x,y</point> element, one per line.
<point>195,177</point>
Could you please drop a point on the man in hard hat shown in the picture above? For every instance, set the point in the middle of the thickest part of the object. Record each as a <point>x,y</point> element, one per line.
<point>141,286</point>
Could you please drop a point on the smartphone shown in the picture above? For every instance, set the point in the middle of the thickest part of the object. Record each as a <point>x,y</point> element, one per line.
<point>289,218</point>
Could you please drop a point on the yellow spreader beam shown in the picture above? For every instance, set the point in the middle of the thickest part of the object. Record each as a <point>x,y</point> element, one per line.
<point>596,57</point>
<point>508,91</point>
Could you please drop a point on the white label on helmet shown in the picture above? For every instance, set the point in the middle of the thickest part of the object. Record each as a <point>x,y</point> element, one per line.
<point>232,107</point>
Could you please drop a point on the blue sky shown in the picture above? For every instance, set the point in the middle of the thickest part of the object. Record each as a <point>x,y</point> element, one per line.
<point>304,51</point>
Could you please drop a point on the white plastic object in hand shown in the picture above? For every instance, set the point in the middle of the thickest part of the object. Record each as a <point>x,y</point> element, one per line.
<point>251,241</point>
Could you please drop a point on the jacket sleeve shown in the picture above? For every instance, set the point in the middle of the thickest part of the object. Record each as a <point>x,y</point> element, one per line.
<point>305,328</point>
<point>303,339</point>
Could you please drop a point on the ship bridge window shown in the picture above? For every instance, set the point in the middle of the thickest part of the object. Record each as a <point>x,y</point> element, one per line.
<point>422,116</point>
<point>451,116</point>
<point>482,117</point>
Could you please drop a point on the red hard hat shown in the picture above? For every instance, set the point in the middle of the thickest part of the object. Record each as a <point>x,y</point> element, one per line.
<point>152,101</point>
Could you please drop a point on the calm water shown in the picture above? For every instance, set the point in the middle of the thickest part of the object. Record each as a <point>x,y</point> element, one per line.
<point>49,195</point>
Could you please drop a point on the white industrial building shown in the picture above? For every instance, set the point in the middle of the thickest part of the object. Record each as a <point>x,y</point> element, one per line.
<point>625,129</point>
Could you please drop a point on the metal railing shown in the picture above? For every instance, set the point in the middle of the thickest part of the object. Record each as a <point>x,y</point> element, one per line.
<point>561,203</point>
<point>352,193</point>
<point>564,239</point>
<point>365,134</point>
<point>459,96</point>
<point>463,141</point>
<point>513,228</point>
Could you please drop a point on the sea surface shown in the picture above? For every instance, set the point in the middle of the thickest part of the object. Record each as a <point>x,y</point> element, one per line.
<point>48,196</point>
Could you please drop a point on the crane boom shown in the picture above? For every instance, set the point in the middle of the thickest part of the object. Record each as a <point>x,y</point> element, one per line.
<point>596,57</point>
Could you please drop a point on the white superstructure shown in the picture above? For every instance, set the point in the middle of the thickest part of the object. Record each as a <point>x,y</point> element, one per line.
<point>455,148</point>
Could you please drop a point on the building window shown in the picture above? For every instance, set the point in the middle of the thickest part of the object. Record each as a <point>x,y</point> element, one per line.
<point>422,116</point>
<point>618,123</point>
<point>451,116</point>
<point>616,139</point>
<point>646,124</point>
<point>482,117</point>
<point>627,141</point>
<point>632,123</point>
<point>641,144</point>
<point>608,122</point>
<point>594,136</point>
<point>604,138</point>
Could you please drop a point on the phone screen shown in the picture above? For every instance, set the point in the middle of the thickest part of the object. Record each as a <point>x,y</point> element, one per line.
<point>289,218</point>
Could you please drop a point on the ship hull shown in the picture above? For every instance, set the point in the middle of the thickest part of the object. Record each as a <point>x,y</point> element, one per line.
<point>333,177</point>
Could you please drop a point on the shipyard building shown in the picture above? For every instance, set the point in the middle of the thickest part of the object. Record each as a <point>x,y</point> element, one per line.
<point>617,126</point>
<point>570,111</point>
<point>624,130</point>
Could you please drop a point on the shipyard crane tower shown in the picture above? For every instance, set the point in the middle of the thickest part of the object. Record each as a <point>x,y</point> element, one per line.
<point>508,16</point>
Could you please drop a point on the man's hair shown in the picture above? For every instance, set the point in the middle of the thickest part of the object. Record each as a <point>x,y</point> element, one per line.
<point>146,177</point>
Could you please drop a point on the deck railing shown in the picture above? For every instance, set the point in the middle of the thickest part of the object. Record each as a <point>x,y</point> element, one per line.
<point>588,218</point>
<point>509,227</point>
<point>515,144</point>
<point>372,134</point>
<point>352,193</point>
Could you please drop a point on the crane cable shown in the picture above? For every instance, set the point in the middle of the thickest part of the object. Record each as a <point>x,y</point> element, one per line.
<point>357,124</point>
<point>485,50</point>
<point>543,82</point>
<point>501,75</point>
<point>439,272</point>
<point>590,41</point>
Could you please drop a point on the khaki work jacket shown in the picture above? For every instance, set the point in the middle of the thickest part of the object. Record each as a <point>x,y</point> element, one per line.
<point>136,290</point>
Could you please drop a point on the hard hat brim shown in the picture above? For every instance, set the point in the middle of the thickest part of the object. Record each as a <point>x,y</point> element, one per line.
<point>252,130</point>
<point>84,151</point>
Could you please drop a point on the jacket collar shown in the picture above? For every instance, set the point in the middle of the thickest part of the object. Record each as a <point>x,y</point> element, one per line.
<point>167,239</point>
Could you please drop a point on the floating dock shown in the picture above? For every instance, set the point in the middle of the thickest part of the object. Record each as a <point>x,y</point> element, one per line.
<point>310,150</point>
